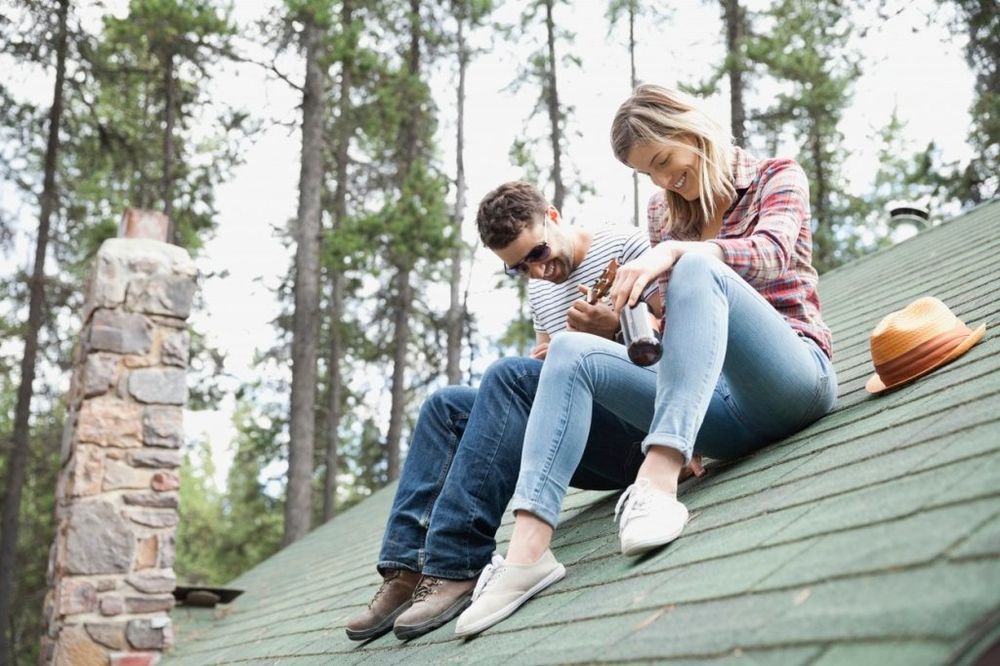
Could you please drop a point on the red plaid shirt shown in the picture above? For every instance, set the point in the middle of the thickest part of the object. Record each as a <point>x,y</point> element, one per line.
<point>766,239</point>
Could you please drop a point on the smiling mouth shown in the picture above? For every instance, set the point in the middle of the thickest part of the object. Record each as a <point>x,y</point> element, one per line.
<point>681,182</point>
<point>550,271</point>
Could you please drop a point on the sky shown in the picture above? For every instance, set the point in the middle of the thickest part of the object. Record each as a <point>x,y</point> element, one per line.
<point>907,63</point>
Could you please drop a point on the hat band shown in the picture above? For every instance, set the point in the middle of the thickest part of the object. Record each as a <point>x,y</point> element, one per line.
<point>926,355</point>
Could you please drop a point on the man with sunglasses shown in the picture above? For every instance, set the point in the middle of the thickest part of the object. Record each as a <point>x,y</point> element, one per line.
<point>465,452</point>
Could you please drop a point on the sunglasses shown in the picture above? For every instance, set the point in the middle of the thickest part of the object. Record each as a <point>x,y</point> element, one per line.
<point>538,253</point>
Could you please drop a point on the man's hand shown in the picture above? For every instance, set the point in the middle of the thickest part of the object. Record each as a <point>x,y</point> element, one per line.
<point>596,319</point>
<point>540,350</point>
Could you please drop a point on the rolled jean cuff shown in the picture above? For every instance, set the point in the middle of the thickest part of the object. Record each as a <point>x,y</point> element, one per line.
<point>387,565</point>
<point>452,574</point>
<point>673,441</point>
<point>536,508</point>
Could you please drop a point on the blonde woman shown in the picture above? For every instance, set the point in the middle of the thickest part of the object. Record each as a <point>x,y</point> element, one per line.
<point>746,355</point>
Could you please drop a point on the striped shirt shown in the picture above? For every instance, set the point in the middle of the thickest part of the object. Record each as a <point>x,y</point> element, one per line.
<point>550,302</point>
<point>767,240</point>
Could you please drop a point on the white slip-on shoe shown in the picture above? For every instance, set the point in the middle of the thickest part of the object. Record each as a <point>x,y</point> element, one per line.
<point>502,588</point>
<point>649,517</point>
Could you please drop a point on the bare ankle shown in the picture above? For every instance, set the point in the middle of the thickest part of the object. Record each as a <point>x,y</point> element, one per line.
<point>662,467</point>
<point>530,539</point>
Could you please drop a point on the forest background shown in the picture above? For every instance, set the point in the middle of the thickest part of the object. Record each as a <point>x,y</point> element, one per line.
<point>322,161</point>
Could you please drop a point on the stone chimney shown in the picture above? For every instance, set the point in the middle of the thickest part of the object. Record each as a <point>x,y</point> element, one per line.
<point>111,572</point>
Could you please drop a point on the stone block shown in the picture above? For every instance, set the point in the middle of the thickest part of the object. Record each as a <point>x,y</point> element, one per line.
<point>108,634</point>
<point>76,647</point>
<point>168,550</point>
<point>153,500</point>
<point>161,581</point>
<point>106,285</point>
<point>152,518</point>
<point>142,635</point>
<point>98,540</point>
<point>176,348</point>
<point>158,386</point>
<point>157,458</point>
<point>106,584</point>
<point>119,476</point>
<point>134,658</point>
<point>163,481</point>
<point>112,604</point>
<point>120,332</point>
<point>110,421</point>
<point>170,295</point>
<point>146,553</point>
<point>76,596</point>
<point>100,373</point>
<point>163,426</point>
<point>87,471</point>
<point>149,605</point>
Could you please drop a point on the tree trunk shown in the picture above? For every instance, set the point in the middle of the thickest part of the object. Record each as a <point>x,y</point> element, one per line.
<point>345,128</point>
<point>14,484</point>
<point>735,17</point>
<point>404,290</point>
<point>456,315</point>
<point>635,82</point>
<point>823,238</point>
<point>167,187</point>
<point>402,338</point>
<point>555,114</point>
<point>302,424</point>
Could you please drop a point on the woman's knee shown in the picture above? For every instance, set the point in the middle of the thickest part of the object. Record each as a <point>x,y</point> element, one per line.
<point>694,271</point>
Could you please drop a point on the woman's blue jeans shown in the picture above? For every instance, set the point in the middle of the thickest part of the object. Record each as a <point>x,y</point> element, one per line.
<point>733,378</point>
<point>462,466</point>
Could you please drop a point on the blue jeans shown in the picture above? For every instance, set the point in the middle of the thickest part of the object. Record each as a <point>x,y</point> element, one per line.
<point>463,463</point>
<point>733,378</point>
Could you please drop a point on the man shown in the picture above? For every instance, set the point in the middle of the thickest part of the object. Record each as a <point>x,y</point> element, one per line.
<point>465,453</point>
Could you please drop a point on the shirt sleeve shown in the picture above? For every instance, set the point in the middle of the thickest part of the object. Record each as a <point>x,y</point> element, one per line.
<point>766,252</point>
<point>532,295</point>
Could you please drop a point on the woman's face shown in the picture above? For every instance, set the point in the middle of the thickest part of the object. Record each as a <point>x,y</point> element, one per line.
<point>672,166</point>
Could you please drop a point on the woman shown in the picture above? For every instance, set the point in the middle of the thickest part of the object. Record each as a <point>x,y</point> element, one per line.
<point>746,355</point>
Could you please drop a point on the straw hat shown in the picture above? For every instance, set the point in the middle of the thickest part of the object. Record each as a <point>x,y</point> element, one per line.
<point>913,341</point>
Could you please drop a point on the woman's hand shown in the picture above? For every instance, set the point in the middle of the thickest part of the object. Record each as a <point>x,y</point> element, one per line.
<point>633,276</point>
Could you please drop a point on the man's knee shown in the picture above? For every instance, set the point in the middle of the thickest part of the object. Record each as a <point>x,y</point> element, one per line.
<point>511,371</point>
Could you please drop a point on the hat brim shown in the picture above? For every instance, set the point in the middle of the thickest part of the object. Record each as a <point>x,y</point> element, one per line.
<point>875,384</point>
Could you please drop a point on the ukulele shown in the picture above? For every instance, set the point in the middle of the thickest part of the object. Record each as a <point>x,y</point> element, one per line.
<point>603,284</point>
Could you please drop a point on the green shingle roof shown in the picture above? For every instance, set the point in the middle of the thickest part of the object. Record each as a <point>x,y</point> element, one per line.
<point>871,537</point>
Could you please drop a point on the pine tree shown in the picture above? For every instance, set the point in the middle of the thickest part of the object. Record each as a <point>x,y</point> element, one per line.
<point>20,440</point>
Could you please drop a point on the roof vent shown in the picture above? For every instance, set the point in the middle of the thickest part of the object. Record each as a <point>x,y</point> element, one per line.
<point>903,212</point>
<point>907,219</point>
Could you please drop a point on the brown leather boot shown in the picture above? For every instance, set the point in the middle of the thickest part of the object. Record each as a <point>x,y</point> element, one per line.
<point>392,598</point>
<point>435,602</point>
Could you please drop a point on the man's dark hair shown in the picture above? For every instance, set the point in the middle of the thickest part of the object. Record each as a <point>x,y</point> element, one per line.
<point>507,210</point>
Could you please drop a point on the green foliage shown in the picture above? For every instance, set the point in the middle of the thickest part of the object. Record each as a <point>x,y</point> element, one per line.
<point>804,47</point>
<point>979,21</point>
<point>221,535</point>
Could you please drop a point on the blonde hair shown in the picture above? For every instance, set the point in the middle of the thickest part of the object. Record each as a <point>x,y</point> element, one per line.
<point>654,114</point>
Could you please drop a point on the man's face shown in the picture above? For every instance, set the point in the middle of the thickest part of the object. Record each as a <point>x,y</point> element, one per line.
<point>541,251</point>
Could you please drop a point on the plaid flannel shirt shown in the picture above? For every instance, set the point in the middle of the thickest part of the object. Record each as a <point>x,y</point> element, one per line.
<point>766,239</point>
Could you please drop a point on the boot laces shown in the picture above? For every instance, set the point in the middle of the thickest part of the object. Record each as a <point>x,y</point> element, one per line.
<point>386,581</point>
<point>425,588</point>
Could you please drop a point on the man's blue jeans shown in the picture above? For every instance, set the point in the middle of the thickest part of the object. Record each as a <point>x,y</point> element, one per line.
<point>734,377</point>
<point>463,464</point>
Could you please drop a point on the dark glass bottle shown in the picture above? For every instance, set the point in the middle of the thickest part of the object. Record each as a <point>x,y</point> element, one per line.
<point>643,346</point>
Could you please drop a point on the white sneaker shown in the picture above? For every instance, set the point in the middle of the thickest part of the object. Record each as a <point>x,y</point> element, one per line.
<point>650,518</point>
<point>502,588</point>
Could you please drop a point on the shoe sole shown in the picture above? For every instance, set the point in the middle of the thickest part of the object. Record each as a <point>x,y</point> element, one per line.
<point>380,629</point>
<point>554,576</point>
<point>408,631</point>
<point>647,545</point>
